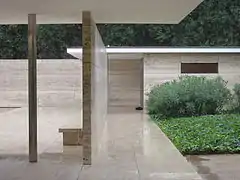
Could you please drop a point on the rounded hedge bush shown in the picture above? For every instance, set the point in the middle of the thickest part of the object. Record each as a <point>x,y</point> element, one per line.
<point>188,96</point>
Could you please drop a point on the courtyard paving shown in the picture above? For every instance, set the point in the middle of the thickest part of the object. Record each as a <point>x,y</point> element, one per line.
<point>217,167</point>
<point>134,149</point>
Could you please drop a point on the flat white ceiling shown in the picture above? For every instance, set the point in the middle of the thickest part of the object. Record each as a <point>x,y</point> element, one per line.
<point>104,11</point>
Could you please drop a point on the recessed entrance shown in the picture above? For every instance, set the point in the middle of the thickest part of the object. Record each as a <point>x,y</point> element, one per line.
<point>125,81</point>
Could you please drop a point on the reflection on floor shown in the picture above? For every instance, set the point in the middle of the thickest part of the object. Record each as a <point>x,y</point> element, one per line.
<point>133,149</point>
<point>6,109</point>
<point>217,167</point>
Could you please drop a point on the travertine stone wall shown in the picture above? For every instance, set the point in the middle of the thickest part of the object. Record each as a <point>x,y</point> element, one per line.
<point>159,69</point>
<point>229,68</point>
<point>59,83</point>
<point>95,89</point>
<point>99,93</point>
<point>125,80</point>
<point>165,67</point>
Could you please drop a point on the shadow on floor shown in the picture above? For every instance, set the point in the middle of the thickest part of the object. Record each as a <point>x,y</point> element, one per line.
<point>203,170</point>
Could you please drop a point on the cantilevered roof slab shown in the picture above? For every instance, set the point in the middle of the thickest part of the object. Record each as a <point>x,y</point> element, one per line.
<point>103,11</point>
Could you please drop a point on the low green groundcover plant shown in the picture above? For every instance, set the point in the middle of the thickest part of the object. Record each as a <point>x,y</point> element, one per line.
<point>205,134</point>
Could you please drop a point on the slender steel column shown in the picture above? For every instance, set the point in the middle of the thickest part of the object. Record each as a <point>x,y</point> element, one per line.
<point>32,87</point>
<point>142,83</point>
<point>108,83</point>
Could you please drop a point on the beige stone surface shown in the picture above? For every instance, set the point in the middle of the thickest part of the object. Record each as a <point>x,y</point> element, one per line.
<point>14,129</point>
<point>59,83</point>
<point>217,167</point>
<point>95,89</point>
<point>133,148</point>
<point>161,68</point>
<point>99,92</point>
<point>88,34</point>
<point>124,82</point>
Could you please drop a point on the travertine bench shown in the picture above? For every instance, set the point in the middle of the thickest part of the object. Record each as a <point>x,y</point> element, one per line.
<point>71,136</point>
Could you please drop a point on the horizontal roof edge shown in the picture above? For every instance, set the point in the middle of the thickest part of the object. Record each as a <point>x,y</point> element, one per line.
<point>162,50</point>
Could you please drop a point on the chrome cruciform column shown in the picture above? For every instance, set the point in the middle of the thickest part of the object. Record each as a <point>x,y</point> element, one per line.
<point>32,87</point>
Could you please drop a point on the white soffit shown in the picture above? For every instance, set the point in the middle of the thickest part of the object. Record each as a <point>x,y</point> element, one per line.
<point>104,11</point>
<point>137,53</point>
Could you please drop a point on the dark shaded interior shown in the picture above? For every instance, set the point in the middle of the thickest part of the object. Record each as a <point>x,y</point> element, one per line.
<point>199,68</point>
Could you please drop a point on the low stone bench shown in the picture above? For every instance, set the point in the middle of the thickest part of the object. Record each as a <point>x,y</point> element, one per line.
<point>71,136</point>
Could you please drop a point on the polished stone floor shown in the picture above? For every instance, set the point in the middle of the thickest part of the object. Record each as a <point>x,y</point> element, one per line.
<point>217,167</point>
<point>134,149</point>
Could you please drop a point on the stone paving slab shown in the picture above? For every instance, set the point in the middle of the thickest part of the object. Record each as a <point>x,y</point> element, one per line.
<point>217,167</point>
<point>134,148</point>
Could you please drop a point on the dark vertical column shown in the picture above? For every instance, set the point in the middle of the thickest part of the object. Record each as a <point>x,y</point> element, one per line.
<point>32,87</point>
<point>142,83</point>
<point>108,83</point>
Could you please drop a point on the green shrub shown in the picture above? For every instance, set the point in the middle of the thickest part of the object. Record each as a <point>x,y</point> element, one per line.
<point>188,96</point>
<point>205,134</point>
<point>235,104</point>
